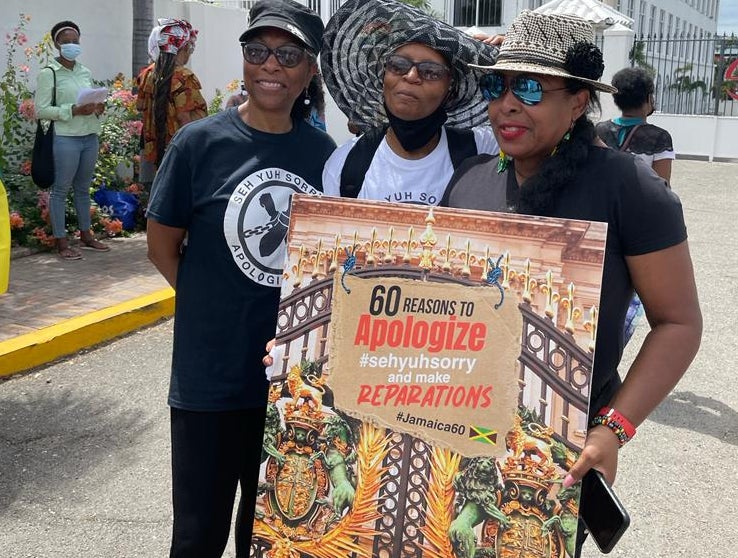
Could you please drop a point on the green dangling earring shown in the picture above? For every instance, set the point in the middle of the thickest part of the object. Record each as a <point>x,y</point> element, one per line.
<point>503,162</point>
<point>567,137</point>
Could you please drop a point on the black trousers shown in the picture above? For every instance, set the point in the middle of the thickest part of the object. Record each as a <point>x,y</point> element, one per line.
<point>211,453</point>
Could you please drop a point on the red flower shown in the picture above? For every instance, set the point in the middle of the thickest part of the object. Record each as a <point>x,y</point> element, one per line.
<point>43,238</point>
<point>112,227</point>
<point>43,199</point>
<point>16,221</point>
<point>27,109</point>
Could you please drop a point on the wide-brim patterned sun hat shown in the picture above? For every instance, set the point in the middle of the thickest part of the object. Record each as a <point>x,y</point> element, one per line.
<point>362,33</point>
<point>552,45</point>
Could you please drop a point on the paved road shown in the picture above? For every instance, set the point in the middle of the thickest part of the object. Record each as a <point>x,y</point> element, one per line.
<point>84,451</point>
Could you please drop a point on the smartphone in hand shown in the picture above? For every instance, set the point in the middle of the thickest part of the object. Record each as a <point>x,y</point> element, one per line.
<point>602,513</point>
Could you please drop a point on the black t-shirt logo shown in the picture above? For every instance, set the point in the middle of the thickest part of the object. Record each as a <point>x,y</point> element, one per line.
<point>257,220</point>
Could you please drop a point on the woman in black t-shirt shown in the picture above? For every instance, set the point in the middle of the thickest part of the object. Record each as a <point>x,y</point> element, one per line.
<point>540,91</point>
<point>225,184</point>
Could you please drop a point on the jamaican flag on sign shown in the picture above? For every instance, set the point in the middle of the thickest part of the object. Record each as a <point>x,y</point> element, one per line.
<point>482,434</point>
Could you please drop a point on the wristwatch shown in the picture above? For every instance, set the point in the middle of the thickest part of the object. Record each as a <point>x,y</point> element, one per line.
<point>612,419</point>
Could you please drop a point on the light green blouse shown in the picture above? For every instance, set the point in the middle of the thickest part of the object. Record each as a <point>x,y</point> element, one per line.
<point>68,84</point>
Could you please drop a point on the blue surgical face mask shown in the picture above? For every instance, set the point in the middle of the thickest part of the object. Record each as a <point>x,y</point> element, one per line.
<point>70,51</point>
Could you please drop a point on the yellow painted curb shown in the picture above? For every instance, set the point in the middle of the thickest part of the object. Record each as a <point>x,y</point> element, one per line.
<point>65,338</point>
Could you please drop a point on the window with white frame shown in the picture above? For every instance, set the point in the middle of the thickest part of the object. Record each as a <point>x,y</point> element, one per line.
<point>479,13</point>
<point>631,9</point>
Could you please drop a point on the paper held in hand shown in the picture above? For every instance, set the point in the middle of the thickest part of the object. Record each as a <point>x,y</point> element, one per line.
<point>92,95</point>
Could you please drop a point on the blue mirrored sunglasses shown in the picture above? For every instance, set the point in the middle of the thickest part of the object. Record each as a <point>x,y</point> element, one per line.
<point>527,90</point>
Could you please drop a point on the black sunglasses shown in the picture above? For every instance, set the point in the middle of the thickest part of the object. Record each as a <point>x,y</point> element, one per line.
<point>527,90</point>
<point>288,56</point>
<point>427,71</point>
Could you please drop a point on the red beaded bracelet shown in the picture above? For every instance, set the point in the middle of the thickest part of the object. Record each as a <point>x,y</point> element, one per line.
<point>621,426</point>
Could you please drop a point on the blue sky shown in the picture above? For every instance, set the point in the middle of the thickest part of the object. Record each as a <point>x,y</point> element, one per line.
<point>728,17</point>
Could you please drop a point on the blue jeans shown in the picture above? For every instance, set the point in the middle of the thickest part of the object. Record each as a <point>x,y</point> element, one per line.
<point>74,167</point>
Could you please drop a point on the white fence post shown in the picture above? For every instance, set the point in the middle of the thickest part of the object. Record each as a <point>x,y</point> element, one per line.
<point>616,46</point>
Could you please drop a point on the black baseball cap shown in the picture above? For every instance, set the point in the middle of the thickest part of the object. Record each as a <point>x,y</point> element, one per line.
<point>298,20</point>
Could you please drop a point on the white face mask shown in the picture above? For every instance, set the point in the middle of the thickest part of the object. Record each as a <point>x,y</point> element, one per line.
<point>70,51</point>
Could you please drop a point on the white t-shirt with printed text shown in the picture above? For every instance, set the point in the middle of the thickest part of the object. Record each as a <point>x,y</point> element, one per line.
<point>394,179</point>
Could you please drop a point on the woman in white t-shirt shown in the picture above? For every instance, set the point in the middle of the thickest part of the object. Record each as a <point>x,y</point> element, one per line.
<point>402,77</point>
<point>630,132</point>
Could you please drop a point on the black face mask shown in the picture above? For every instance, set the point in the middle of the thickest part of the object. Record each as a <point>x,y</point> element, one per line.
<point>652,102</point>
<point>414,134</point>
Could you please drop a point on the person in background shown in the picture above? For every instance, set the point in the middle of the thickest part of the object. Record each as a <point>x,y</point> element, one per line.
<point>237,98</point>
<point>170,96</point>
<point>76,131</point>
<point>401,77</point>
<point>152,48</point>
<point>317,105</point>
<point>226,183</point>
<point>631,132</point>
<point>146,167</point>
<point>540,90</point>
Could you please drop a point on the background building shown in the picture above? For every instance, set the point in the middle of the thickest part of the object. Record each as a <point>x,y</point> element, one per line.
<point>676,38</point>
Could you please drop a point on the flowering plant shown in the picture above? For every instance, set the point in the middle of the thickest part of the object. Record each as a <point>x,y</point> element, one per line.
<point>120,134</point>
<point>16,104</point>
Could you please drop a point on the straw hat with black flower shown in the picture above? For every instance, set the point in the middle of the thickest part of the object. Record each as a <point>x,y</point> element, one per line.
<point>552,45</point>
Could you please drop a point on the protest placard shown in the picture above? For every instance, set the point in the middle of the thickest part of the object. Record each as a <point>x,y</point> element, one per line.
<point>432,385</point>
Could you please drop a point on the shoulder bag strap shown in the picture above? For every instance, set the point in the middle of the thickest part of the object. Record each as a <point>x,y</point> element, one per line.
<point>461,145</point>
<point>359,160</point>
<point>629,137</point>
<point>53,91</point>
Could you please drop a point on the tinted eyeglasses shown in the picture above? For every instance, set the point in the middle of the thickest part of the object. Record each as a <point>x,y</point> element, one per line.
<point>427,71</point>
<point>288,56</point>
<point>527,90</point>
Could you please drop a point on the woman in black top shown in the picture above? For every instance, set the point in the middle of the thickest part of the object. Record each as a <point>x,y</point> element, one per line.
<point>540,91</point>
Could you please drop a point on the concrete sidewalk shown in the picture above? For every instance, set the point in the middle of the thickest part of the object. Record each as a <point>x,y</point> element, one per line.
<point>54,308</point>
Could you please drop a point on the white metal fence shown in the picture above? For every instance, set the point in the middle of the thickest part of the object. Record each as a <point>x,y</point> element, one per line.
<point>690,72</point>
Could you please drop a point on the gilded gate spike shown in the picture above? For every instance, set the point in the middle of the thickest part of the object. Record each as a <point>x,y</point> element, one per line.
<point>527,282</point>
<point>466,269</point>
<point>407,257</point>
<point>552,297</point>
<point>388,256</point>
<point>370,254</point>
<point>298,268</point>
<point>591,327</point>
<point>334,259</point>
<point>485,264</point>
<point>316,259</point>
<point>572,312</point>
<point>428,240</point>
<point>447,263</point>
